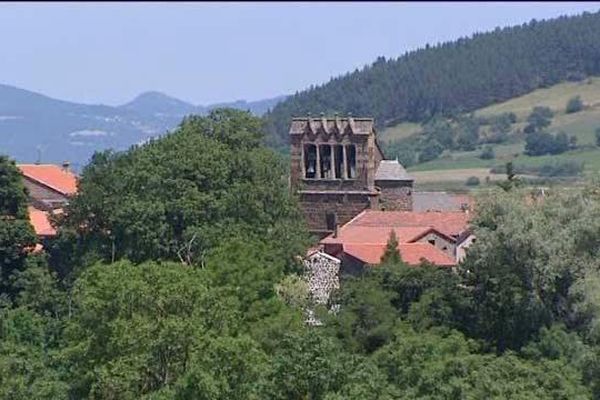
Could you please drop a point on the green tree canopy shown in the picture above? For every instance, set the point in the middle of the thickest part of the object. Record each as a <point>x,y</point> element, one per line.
<point>17,238</point>
<point>181,195</point>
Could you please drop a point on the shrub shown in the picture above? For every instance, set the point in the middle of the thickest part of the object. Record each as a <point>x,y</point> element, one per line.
<point>574,105</point>
<point>529,128</point>
<point>572,142</point>
<point>598,137</point>
<point>472,181</point>
<point>432,150</point>
<point>540,143</point>
<point>540,117</point>
<point>487,153</point>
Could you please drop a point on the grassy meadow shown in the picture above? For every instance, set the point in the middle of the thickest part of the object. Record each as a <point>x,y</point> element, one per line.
<point>453,167</point>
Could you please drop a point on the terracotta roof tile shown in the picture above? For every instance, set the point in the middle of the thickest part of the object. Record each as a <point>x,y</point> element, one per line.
<point>450,223</point>
<point>52,176</point>
<point>41,223</point>
<point>412,253</point>
<point>366,235</point>
<point>375,234</point>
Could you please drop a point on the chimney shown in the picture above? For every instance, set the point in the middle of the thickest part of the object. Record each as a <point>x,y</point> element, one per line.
<point>66,165</point>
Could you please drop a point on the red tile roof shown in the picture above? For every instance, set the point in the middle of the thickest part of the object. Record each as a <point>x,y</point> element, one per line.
<point>412,253</point>
<point>53,176</point>
<point>375,234</point>
<point>450,223</point>
<point>41,223</point>
<point>366,235</point>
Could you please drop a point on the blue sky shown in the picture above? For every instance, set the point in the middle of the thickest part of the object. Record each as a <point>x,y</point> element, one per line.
<point>206,53</point>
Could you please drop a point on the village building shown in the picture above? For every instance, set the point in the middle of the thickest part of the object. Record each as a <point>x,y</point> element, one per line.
<point>338,170</point>
<point>49,187</point>
<point>352,200</point>
<point>440,238</point>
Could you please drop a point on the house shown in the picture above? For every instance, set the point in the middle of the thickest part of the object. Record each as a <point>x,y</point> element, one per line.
<point>338,170</point>
<point>50,186</point>
<point>440,238</point>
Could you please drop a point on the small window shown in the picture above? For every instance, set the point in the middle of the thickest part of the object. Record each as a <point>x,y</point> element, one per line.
<point>331,220</point>
<point>351,161</point>
<point>339,161</point>
<point>432,241</point>
<point>310,161</point>
<point>325,153</point>
<point>444,248</point>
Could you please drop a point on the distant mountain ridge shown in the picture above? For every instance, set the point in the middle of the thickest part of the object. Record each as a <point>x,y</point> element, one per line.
<point>37,127</point>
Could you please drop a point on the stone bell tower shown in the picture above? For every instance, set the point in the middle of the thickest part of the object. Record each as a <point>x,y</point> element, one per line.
<point>334,163</point>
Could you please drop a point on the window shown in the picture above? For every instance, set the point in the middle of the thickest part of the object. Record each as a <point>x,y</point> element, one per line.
<point>310,161</point>
<point>325,153</point>
<point>351,161</point>
<point>331,220</point>
<point>339,161</point>
<point>431,241</point>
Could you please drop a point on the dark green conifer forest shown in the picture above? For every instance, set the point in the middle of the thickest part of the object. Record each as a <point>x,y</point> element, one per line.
<point>453,77</point>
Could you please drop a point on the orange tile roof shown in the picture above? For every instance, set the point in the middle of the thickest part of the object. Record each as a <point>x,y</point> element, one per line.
<point>375,234</point>
<point>52,176</point>
<point>366,235</point>
<point>41,223</point>
<point>412,253</point>
<point>450,223</point>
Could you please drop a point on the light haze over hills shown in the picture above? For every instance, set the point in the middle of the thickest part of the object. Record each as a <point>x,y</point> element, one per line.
<point>34,127</point>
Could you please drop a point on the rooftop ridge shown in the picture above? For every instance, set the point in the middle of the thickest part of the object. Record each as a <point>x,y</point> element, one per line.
<point>23,169</point>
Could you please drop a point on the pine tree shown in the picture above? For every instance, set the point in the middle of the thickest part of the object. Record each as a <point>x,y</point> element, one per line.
<point>392,253</point>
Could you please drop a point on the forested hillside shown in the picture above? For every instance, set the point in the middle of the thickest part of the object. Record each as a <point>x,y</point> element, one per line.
<point>455,77</point>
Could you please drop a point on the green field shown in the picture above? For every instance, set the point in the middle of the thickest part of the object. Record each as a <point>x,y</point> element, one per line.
<point>581,124</point>
<point>555,97</point>
<point>400,131</point>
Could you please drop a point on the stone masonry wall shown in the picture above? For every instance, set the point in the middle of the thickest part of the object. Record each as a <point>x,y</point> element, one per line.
<point>39,194</point>
<point>395,195</point>
<point>316,206</point>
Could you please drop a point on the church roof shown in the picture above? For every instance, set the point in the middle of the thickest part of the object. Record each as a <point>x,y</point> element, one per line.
<point>338,125</point>
<point>391,170</point>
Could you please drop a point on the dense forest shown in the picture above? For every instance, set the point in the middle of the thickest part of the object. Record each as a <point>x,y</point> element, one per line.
<point>454,77</point>
<point>175,275</point>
